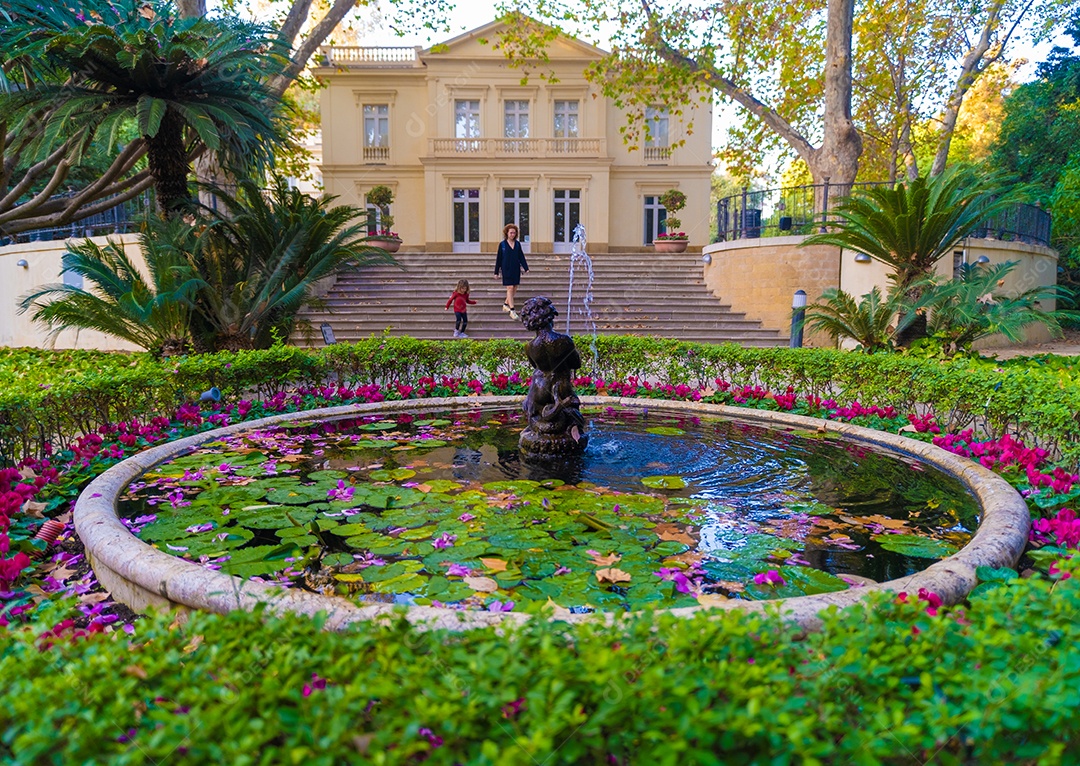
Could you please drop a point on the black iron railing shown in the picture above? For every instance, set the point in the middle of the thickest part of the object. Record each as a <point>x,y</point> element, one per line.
<point>118,219</point>
<point>793,210</point>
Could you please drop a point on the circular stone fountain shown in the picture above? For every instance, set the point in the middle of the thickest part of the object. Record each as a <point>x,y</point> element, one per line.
<point>141,575</point>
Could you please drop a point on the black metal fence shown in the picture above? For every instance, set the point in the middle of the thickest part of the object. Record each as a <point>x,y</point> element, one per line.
<point>118,219</point>
<point>795,210</point>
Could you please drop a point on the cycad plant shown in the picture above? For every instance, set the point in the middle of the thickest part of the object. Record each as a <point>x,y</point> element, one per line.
<point>264,257</point>
<point>972,306</point>
<point>183,81</point>
<point>152,310</point>
<point>911,226</point>
<point>871,322</point>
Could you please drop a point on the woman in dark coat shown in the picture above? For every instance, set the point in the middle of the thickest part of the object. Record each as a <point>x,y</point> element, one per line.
<point>510,262</point>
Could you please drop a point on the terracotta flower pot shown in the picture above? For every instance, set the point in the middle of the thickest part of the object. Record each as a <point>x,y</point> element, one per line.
<point>389,245</point>
<point>670,245</point>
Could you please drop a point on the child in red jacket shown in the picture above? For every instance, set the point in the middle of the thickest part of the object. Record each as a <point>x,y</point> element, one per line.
<point>460,299</point>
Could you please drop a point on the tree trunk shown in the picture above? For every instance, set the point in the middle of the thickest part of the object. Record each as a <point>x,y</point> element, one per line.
<point>233,343</point>
<point>837,160</point>
<point>169,164</point>
<point>190,8</point>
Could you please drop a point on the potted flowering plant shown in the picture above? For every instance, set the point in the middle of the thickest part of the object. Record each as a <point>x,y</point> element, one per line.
<point>671,240</point>
<point>383,236</point>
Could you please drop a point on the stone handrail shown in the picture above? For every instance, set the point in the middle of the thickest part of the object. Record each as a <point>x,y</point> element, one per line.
<point>358,55</point>
<point>520,147</point>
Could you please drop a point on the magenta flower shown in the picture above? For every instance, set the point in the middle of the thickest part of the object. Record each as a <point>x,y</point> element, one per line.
<point>317,683</point>
<point>512,709</point>
<point>675,575</point>
<point>466,517</point>
<point>197,528</point>
<point>341,492</point>
<point>498,606</point>
<point>430,736</point>
<point>561,571</point>
<point>445,540</point>
<point>457,570</point>
<point>772,577</point>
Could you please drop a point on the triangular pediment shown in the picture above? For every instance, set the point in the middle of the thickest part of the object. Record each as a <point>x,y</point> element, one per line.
<point>479,42</point>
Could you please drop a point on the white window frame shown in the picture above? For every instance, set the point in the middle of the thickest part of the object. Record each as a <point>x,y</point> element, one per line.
<point>568,110</point>
<point>470,126</point>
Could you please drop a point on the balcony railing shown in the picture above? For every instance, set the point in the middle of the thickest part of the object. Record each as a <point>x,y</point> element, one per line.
<point>657,153</point>
<point>517,147</point>
<point>359,56</point>
<point>808,210</point>
<point>376,154</point>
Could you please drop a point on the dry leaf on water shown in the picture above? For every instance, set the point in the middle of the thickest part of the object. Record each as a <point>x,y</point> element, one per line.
<point>674,533</point>
<point>712,599</point>
<point>605,561</point>
<point>612,575</point>
<point>558,612</point>
<point>495,565</point>
<point>482,584</point>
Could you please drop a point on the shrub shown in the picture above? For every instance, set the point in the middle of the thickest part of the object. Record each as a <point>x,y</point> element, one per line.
<point>900,682</point>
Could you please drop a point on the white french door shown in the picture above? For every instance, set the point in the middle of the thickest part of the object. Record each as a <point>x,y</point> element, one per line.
<point>466,220</point>
<point>567,216</point>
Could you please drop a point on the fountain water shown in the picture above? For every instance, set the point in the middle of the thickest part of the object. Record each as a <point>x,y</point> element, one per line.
<point>579,258</point>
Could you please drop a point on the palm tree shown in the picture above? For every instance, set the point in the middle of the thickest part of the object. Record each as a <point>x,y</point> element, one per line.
<point>152,312</point>
<point>971,306</point>
<point>869,322</point>
<point>182,81</point>
<point>910,227</point>
<point>264,258</point>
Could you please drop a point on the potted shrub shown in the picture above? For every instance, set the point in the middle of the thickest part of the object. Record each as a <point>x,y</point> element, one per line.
<point>384,237</point>
<point>672,240</point>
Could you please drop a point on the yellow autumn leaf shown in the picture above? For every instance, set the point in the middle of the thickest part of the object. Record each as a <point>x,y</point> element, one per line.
<point>612,575</point>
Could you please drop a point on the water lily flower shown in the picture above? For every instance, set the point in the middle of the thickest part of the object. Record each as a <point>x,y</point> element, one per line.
<point>445,540</point>
<point>498,606</point>
<point>771,577</point>
<point>466,517</point>
<point>675,575</point>
<point>197,528</point>
<point>561,571</point>
<point>341,492</point>
<point>457,570</point>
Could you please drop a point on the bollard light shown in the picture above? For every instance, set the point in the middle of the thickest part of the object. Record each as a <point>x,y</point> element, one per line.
<point>798,316</point>
<point>212,395</point>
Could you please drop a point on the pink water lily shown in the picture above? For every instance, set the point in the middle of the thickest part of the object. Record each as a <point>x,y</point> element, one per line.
<point>771,577</point>
<point>466,517</point>
<point>341,492</point>
<point>445,540</point>
<point>457,570</point>
<point>677,576</point>
<point>197,528</point>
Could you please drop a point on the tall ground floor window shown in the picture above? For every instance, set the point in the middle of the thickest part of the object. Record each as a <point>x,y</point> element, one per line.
<point>655,215</point>
<point>466,214</point>
<point>516,210</point>
<point>567,216</point>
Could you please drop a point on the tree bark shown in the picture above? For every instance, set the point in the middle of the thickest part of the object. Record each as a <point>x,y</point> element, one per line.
<point>169,164</point>
<point>191,8</point>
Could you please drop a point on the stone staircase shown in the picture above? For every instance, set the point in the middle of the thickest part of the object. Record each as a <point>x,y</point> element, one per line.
<point>633,294</point>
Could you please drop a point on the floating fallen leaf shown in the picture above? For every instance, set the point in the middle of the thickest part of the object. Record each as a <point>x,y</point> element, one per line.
<point>481,584</point>
<point>495,565</point>
<point>712,599</point>
<point>674,533</point>
<point>612,575</point>
<point>558,612</point>
<point>605,561</point>
<point>425,488</point>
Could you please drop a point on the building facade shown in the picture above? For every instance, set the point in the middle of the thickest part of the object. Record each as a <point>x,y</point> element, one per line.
<point>467,146</point>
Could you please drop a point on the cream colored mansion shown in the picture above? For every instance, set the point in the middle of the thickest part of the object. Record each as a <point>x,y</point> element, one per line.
<point>467,147</point>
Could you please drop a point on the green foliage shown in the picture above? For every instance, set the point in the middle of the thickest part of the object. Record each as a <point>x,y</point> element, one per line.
<point>264,257</point>
<point>870,323</point>
<point>888,684</point>
<point>42,401</point>
<point>911,226</point>
<point>178,78</point>
<point>971,306</point>
<point>152,312</point>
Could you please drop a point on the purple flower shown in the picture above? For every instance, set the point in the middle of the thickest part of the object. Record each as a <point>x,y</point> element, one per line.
<point>466,517</point>
<point>457,570</point>
<point>197,528</point>
<point>512,709</point>
<point>498,606</point>
<point>316,683</point>
<point>341,492</point>
<point>445,540</point>
<point>430,736</point>
<point>771,577</point>
<point>561,571</point>
<point>146,519</point>
<point>675,575</point>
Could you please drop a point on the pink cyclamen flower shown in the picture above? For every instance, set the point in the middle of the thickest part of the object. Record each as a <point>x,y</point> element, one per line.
<point>771,577</point>
<point>511,710</point>
<point>316,683</point>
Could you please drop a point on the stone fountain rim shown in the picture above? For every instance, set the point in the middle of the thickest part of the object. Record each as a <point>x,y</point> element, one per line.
<point>142,576</point>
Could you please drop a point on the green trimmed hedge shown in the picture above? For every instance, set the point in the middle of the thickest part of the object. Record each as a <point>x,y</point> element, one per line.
<point>42,401</point>
<point>885,685</point>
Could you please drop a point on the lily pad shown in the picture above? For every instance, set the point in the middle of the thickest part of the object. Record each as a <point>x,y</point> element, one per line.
<point>665,431</point>
<point>664,482</point>
<point>391,474</point>
<point>915,546</point>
